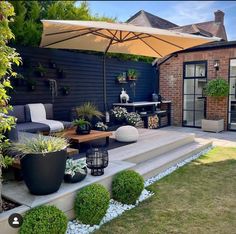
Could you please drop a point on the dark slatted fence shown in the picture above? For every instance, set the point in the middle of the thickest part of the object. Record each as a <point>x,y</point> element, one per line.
<point>83,75</point>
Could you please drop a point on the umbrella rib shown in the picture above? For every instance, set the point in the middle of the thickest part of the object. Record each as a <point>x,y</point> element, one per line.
<point>102,35</point>
<point>110,43</point>
<point>77,30</point>
<point>148,45</point>
<point>114,35</point>
<point>69,38</point>
<point>166,41</point>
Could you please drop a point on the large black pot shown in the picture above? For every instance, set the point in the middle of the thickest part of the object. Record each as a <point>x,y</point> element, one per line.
<point>83,129</point>
<point>43,174</point>
<point>76,178</point>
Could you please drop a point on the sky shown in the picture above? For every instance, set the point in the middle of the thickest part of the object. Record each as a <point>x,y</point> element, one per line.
<point>178,12</point>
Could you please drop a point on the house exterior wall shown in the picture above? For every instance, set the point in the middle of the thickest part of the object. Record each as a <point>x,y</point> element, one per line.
<point>171,80</point>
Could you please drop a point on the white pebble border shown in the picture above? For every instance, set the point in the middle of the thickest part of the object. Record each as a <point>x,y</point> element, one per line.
<point>116,208</point>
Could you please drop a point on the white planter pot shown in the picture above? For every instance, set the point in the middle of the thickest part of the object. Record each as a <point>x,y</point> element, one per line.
<point>213,125</point>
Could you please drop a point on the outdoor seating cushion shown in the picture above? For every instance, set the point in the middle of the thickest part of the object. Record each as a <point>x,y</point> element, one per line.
<point>126,134</point>
<point>48,109</point>
<point>67,124</point>
<point>18,111</point>
<point>32,127</point>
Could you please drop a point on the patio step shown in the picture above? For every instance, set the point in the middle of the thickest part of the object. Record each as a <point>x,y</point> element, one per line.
<point>148,148</point>
<point>160,163</point>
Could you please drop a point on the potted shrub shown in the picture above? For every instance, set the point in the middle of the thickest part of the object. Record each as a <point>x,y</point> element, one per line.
<point>43,162</point>
<point>40,70</point>
<point>101,126</point>
<point>88,111</point>
<point>132,74</point>
<point>76,170</point>
<point>216,89</point>
<point>82,126</point>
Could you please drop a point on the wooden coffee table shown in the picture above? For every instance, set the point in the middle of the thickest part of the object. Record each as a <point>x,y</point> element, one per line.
<point>93,135</point>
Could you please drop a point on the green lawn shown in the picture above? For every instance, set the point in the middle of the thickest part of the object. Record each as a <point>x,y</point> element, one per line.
<point>197,198</point>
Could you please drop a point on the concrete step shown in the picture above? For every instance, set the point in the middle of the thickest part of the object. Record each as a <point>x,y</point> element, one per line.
<point>161,162</point>
<point>149,148</point>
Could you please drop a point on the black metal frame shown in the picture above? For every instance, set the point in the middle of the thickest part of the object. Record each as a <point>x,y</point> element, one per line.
<point>183,94</point>
<point>228,104</point>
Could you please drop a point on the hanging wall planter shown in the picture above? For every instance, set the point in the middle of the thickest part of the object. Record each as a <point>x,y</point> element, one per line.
<point>40,70</point>
<point>52,64</point>
<point>60,73</point>
<point>132,74</point>
<point>65,90</point>
<point>31,84</point>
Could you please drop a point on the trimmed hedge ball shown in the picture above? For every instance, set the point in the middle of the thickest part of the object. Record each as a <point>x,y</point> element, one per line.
<point>127,186</point>
<point>44,219</point>
<point>91,204</point>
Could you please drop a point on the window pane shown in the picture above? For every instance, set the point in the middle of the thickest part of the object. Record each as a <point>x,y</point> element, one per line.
<point>188,118</point>
<point>199,103</point>
<point>233,67</point>
<point>200,70</point>
<point>189,70</point>
<point>189,86</point>
<point>199,115</point>
<point>199,85</point>
<point>232,84</point>
<point>188,102</point>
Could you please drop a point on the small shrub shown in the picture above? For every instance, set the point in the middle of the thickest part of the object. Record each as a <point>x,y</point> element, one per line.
<point>127,186</point>
<point>91,204</point>
<point>217,88</point>
<point>44,219</point>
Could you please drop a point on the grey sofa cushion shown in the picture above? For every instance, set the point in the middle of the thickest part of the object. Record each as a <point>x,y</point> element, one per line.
<point>18,112</point>
<point>66,124</point>
<point>32,127</point>
<point>48,109</point>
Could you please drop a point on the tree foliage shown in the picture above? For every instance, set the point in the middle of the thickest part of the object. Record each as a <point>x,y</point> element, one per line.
<point>8,57</point>
<point>27,27</point>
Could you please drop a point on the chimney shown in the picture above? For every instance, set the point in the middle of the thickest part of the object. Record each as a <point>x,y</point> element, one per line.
<point>219,16</point>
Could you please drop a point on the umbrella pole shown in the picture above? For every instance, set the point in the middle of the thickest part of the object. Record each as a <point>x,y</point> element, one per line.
<point>104,83</point>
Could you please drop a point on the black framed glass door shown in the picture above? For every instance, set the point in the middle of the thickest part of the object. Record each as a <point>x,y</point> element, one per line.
<point>232,95</point>
<point>194,103</point>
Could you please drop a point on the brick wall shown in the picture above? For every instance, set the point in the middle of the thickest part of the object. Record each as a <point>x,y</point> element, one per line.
<point>171,80</point>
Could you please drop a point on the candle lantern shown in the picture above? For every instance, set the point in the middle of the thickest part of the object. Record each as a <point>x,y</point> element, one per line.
<point>97,160</point>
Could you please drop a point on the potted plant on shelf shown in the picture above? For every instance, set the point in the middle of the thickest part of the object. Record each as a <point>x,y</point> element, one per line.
<point>100,126</point>
<point>40,70</point>
<point>76,170</point>
<point>43,162</point>
<point>88,111</point>
<point>216,89</point>
<point>121,78</point>
<point>132,74</point>
<point>82,126</point>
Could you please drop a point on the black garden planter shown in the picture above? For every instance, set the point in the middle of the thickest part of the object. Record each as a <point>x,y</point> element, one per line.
<point>76,178</point>
<point>83,129</point>
<point>43,174</point>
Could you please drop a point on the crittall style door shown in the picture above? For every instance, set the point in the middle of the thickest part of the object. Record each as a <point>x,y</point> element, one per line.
<point>232,95</point>
<point>194,103</point>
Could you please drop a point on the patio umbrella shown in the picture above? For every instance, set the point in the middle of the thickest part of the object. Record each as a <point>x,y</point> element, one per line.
<point>116,38</point>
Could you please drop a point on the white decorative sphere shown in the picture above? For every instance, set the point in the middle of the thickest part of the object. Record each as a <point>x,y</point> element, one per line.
<point>126,134</point>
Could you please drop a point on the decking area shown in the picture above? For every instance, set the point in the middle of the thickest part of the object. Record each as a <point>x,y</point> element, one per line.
<point>155,151</point>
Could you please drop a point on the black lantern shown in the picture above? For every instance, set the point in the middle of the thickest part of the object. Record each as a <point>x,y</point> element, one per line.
<point>97,160</point>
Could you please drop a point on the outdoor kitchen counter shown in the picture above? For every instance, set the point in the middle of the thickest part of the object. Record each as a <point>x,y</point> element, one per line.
<point>146,109</point>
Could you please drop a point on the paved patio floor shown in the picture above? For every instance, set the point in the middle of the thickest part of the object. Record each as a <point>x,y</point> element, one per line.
<point>226,138</point>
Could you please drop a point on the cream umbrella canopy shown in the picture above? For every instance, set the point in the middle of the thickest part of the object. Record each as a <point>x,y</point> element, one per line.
<point>116,38</point>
